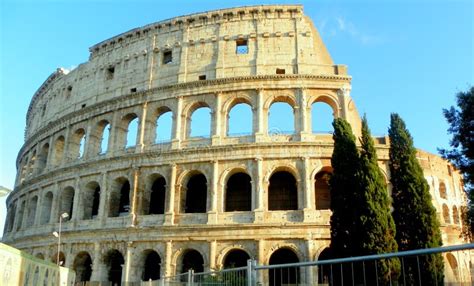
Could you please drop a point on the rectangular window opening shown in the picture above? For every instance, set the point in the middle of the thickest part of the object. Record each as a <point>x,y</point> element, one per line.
<point>167,57</point>
<point>83,105</point>
<point>110,73</point>
<point>202,77</point>
<point>133,90</point>
<point>241,46</point>
<point>280,71</point>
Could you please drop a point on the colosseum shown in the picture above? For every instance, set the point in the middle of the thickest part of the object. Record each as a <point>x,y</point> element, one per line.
<point>142,205</point>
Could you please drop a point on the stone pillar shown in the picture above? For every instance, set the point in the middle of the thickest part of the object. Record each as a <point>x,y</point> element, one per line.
<point>183,59</point>
<point>262,276</point>
<point>129,270</point>
<point>259,126</point>
<point>67,143</point>
<point>177,124</point>
<point>258,205</point>
<point>217,120</point>
<point>77,205</point>
<point>50,153</point>
<point>114,133</point>
<point>212,256</point>
<point>303,118</point>
<point>212,194</point>
<point>307,189</point>
<point>87,143</point>
<point>39,209</point>
<point>170,197</point>
<point>135,197</point>
<point>311,272</point>
<point>103,207</point>
<point>141,130</point>
<point>99,269</point>
<point>168,255</point>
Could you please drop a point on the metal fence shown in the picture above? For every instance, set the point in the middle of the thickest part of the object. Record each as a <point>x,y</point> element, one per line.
<point>399,268</point>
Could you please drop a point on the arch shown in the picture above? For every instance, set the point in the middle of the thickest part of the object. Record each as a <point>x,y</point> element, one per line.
<point>46,205</point>
<point>199,121</point>
<point>119,204</point>
<point>32,211</point>
<point>238,193</point>
<point>192,259</point>
<point>62,258</point>
<point>240,119</point>
<point>11,217</point>
<point>104,131</point>
<point>151,265</point>
<point>321,189</point>
<point>157,195</point>
<point>77,144</point>
<point>455,215</point>
<point>91,200</point>
<point>453,264</point>
<point>235,258</point>
<point>282,191</point>
<point>329,99</point>
<point>322,116</point>
<point>324,273</point>
<point>446,214</point>
<point>132,132</point>
<point>196,194</point>
<point>286,275</point>
<point>31,165</point>
<point>20,215</point>
<point>58,150</point>
<point>83,266</point>
<point>281,118</point>
<point>442,190</point>
<point>43,157</point>
<point>163,125</point>
<point>114,261</point>
<point>39,255</point>
<point>66,199</point>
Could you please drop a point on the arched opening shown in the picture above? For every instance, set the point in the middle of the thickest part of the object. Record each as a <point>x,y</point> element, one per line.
<point>67,202</point>
<point>286,275</point>
<point>455,215</point>
<point>322,116</point>
<point>43,158</point>
<point>442,191</point>
<point>240,120</point>
<point>39,256</point>
<point>61,261</point>
<point>104,138</point>
<point>11,217</point>
<point>32,211</point>
<point>132,133</point>
<point>58,151</point>
<point>446,214</point>
<point>164,123</point>
<point>196,194</point>
<point>119,204</point>
<point>157,196</point>
<point>151,267</point>
<point>192,259</point>
<point>200,125</point>
<point>324,271</point>
<point>77,144</point>
<point>236,258</point>
<point>46,208</point>
<point>91,200</point>
<point>238,195</point>
<point>83,266</point>
<point>114,261</point>
<point>321,190</point>
<point>20,215</point>
<point>31,166</point>
<point>282,192</point>
<point>281,119</point>
<point>453,264</point>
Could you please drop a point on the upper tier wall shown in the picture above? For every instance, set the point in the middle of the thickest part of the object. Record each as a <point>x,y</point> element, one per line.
<point>185,49</point>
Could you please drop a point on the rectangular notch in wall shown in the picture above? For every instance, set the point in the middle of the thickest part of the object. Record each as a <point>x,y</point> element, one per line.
<point>241,46</point>
<point>167,57</point>
<point>202,77</point>
<point>280,71</point>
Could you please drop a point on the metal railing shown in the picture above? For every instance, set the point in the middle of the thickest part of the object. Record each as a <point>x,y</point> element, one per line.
<point>398,268</point>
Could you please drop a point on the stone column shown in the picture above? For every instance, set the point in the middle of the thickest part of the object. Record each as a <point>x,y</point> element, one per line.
<point>212,194</point>
<point>39,209</point>
<point>170,197</point>
<point>65,156</point>
<point>311,272</point>
<point>168,256</point>
<point>141,130</point>
<point>103,207</point>
<point>217,120</point>
<point>77,205</point>
<point>258,205</point>
<point>177,124</point>
<point>50,153</point>
<point>212,256</point>
<point>303,118</point>
<point>259,128</point>
<point>262,276</point>
<point>54,218</point>
<point>99,273</point>
<point>129,270</point>
<point>87,143</point>
<point>114,133</point>
<point>135,197</point>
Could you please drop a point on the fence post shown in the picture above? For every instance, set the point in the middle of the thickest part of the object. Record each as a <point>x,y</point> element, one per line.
<point>253,272</point>
<point>190,277</point>
<point>249,272</point>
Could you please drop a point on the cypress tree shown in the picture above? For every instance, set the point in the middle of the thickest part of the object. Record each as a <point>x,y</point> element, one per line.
<point>342,189</point>
<point>415,217</point>
<point>376,225</point>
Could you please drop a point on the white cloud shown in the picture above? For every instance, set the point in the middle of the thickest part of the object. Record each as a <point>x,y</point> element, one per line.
<point>340,26</point>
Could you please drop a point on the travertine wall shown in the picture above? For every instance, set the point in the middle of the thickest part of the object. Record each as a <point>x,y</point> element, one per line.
<point>126,78</point>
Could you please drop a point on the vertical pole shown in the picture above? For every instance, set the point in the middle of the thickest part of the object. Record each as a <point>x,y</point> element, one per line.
<point>403,271</point>
<point>249,272</point>
<point>59,241</point>
<point>419,274</point>
<point>376,273</point>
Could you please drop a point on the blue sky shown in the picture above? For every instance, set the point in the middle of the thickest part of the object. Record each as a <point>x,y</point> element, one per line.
<point>409,57</point>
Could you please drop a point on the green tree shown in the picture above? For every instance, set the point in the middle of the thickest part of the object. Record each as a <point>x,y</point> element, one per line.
<point>415,217</point>
<point>376,226</point>
<point>461,121</point>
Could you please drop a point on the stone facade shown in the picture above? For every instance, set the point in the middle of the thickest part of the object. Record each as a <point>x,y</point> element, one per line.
<point>178,197</point>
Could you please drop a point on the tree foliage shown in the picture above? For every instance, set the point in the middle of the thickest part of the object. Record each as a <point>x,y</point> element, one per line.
<point>461,154</point>
<point>415,217</point>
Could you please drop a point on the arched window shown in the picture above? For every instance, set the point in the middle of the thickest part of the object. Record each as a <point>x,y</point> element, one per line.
<point>62,258</point>
<point>58,151</point>
<point>104,138</point>
<point>238,195</point>
<point>164,123</point>
<point>11,217</point>
<point>46,208</point>
<point>192,259</point>
<point>32,211</point>
<point>119,204</point>
<point>455,215</point>
<point>446,214</point>
<point>240,120</point>
<point>196,194</point>
<point>321,189</point>
<point>321,118</point>
<point>236,258</point>
<point>200,125</point>
<point>132,132</point>
<point>91,201</point>
<point>286,275</point>
<point>282,192</point>
<point>114,260</point>
<point>83,266</point>
<point>281,119</point>
<point>77,144</point>
<point>31,166</point>
<point>324,273</point>
<point>67,201</point>
<point>40,256</point>
<point>442,191</point>
<point>151,266</point>
<point>43,158</point>
<point>20,215</point>
<point>157,196</point>
<point>453,264</point>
